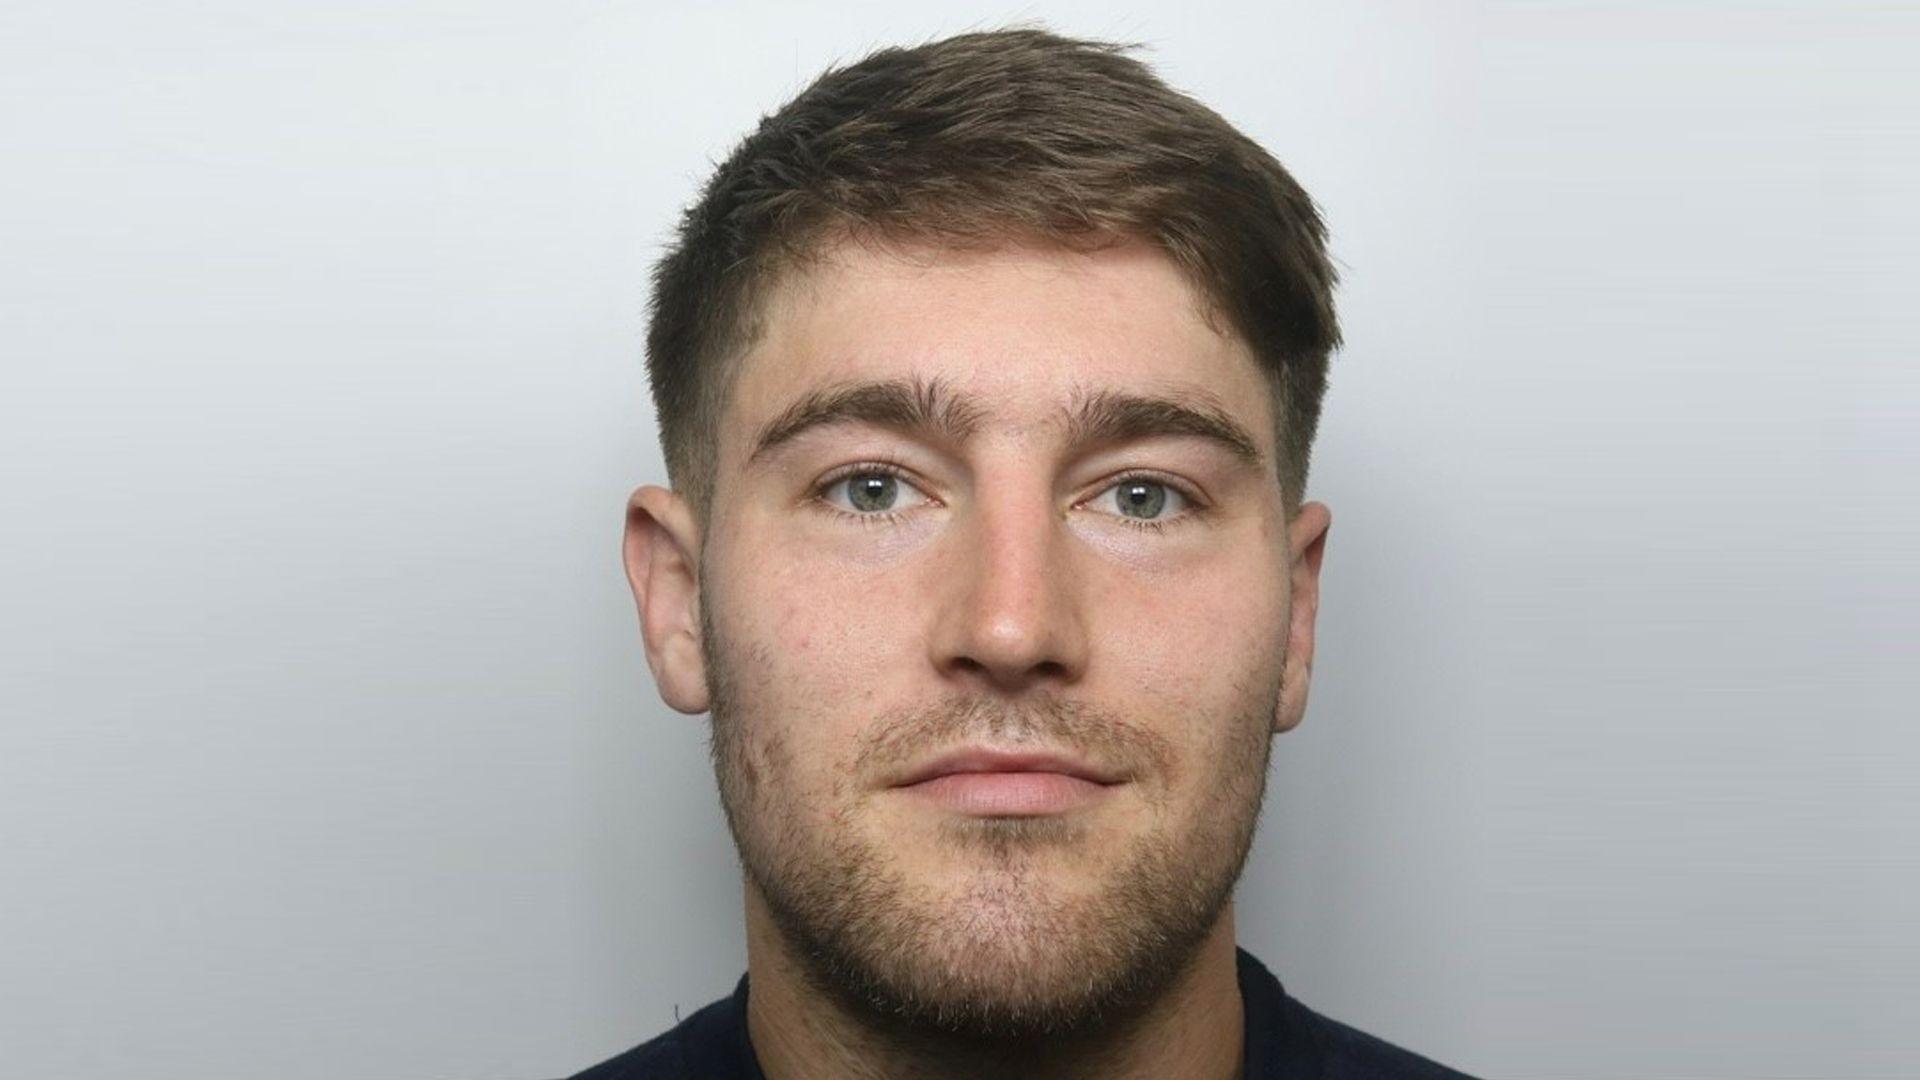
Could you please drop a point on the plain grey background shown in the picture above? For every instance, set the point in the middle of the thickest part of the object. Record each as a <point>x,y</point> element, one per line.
<point>327,746</point>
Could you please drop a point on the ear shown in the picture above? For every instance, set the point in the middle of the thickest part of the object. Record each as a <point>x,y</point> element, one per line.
<point>662,555</point>
<point>1306,545</point>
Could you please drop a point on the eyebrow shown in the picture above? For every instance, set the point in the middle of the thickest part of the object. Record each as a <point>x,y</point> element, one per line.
<point>928,407</point>
<point>1110,416</point>
<point>915,406</point>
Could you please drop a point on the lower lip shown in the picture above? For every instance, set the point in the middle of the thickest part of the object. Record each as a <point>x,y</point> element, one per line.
<point>1008,794</point>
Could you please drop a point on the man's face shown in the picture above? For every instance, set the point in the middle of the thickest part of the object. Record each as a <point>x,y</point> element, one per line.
<point>994,602</point>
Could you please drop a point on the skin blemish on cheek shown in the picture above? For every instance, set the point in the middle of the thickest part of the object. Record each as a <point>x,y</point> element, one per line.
<point>791,621</point>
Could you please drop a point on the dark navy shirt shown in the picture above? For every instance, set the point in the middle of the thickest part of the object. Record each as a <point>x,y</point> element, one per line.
<point>1285,1040</point>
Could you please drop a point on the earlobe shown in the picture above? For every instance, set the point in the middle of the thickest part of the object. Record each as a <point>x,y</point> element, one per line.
<point>661,550</point>
<point>1306,546</point>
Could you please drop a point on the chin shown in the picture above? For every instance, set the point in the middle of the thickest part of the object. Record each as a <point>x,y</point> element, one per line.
<point>1009,960</point>
<point>1001,944</point>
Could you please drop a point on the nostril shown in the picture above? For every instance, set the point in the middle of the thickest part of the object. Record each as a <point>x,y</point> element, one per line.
<point>1008,674</point>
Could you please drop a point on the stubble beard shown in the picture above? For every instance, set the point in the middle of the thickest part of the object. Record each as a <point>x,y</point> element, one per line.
<point>1009,956</point>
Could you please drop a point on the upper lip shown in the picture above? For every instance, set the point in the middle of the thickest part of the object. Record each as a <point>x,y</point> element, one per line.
<point>972,759</point>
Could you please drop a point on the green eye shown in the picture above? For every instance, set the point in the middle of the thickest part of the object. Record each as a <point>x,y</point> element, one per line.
<point>870,492</point>
<point>1138,498</point>
<point>1143,499</point>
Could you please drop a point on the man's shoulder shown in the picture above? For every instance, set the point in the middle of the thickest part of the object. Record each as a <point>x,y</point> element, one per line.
<point>1353,1054</point>
<point>1286,1039</point>
<point>710,1043</point>
<point>660,1057</point>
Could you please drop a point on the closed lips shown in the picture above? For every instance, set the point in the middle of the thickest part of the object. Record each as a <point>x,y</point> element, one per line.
<point>981,760</point>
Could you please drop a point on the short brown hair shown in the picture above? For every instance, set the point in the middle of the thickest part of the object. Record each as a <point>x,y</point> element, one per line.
<point>985,137</point>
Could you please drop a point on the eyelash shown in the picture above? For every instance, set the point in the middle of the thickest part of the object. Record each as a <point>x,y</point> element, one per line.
<point>1195,507</point>
<point>879,467</point>
<point>884,467</point>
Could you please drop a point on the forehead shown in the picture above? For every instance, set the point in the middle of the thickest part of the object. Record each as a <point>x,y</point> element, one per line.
<point>1021,329</point>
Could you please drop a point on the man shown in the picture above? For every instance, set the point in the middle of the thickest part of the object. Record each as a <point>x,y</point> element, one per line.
<point>987,373</point>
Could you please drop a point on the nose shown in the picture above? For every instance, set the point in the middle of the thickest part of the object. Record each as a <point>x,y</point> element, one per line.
<point>1010,614</point>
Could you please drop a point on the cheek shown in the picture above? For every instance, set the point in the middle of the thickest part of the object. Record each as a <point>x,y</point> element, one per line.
<point>824,641</point>
<point>837,622</point>
<point>814,659</point>
<point>1208,630</point>
<point>1199,659</point>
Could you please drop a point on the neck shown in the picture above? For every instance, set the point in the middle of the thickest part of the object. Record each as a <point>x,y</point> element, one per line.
<point>1194,1029</point>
